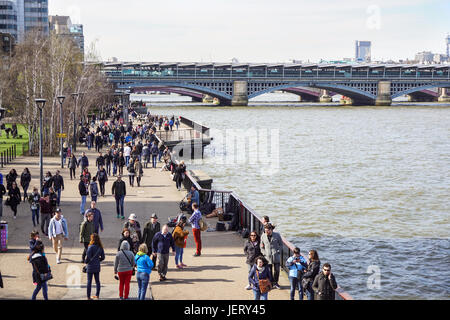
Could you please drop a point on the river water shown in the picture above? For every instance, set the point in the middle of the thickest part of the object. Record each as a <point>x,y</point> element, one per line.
<point>367,187</point>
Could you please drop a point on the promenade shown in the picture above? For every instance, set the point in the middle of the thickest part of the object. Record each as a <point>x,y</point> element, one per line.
<point>220,273</point>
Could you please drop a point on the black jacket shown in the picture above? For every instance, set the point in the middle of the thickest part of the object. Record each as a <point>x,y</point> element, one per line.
<point>324,287</point>
<point>40,265</point>
<point>14,195</point>
<point>84,191</point>
<point>252,252</point>
<point>58,182</point>
<point>100,161</point>
<point>119,188</point>
<point>2,191</point>
<point>25,179</point>
<point>149,232</point>
<point>312,270</point>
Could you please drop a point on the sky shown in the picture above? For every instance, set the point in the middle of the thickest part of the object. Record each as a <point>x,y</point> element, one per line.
<point>257,30</point>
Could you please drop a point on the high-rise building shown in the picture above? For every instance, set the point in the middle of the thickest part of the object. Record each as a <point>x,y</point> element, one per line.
<point>448,46</point>
<point>18,17</point>
<point>424,57</point>
<point>62,26</point>
<point>362,51</point>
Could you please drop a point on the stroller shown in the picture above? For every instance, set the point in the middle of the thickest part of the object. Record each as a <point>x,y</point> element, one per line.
<point>185,204</point>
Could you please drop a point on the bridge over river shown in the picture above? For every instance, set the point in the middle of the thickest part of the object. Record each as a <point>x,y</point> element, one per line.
<point>235,83</point>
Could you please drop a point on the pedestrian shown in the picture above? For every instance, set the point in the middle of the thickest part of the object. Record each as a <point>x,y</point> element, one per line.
<point>127,152</point>
<point>33,199</point>
<point>121,163</point>
<point>94,255</point>
<point>131,172</point>
<point>144,269</point>
<point>324,285</point>
<point>83,188</point>
<point>126,237</point>
<point>179,237</point>
<point>180,174</point>
<point>100,161</point>
<point>46,212</point>
<point>271,247</point>
<point>98,221</point>
<point>151,228</point>
<point>162,242</point>
<point>252,251</point>
<point>123,267</point>
<point>10,178</point>
<point>57,231</point>
<point>138,171</point>
<point>25,179</point>
<point>14,198</point>
<point>195,195</point>
<point>73,164</point>
<point>40,270</point>
<point>83,162</point>
<point>47,183</point>
<point>146,155</point>
<point>102,177</point>
<point>119,192</point>
<point>93,188</point>
<point>2,193</point>
<point>260,278</point>
<point>108,159</point>
<point>65,152</point>
<point>86,230</point>
<point>297,265</point>
<point>194,220</point>
<point>312,271</point>
<point>154,150</point>
<point>135,231</point>
<point>58,185</point>
<point>86,174</point>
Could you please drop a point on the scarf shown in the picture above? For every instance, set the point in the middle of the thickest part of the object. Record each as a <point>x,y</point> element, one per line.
<point>260,270</point>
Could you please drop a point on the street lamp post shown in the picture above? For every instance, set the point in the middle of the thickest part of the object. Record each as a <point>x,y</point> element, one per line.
<point>40,104</point>
<point>74,143</point>
<point>61,101</point>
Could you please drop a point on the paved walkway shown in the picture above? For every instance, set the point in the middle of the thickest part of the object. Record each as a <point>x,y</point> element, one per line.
<point>220,273</point>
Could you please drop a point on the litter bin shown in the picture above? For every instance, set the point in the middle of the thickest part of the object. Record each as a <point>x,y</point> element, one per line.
<point>3,236</point>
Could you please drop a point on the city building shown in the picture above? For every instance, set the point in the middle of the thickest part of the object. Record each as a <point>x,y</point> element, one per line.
<point>18,17</point>
<point>7,44</point>
<point>363,51</point>
<point>62,26</point>
<point>424,57</point>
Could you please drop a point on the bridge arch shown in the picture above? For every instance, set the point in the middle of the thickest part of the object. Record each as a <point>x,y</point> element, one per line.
<point>420,88</point>
<point>354,93</point>
<point>181,91</point>
<point>203,89</point>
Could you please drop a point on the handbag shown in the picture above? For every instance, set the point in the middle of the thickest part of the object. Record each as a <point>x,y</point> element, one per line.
<point>264,284</point>
<point>134,270</point>
<point>8,202</point>
<point>202,224</point>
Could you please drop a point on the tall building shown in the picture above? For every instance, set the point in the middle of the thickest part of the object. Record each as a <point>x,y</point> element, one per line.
<point>18,17</point>
<point>424,57</point>
<point>62,26</point>
<point>448,46</point>
<point>362,51</point>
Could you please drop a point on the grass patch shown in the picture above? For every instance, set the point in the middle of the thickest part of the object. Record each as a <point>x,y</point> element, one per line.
<point>21,141</point>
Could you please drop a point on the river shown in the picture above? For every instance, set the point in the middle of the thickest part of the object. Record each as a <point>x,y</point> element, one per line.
<point>367,187</point>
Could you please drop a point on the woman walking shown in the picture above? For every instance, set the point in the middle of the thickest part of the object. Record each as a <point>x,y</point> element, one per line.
<point>138,171</point>
<point>33,199</point>
<point>123,267</point>
<point>252,251</point>
<point>10,178</point>
<point>25,179</point>
<point>40,267</point>
<point>180,173</point>
<point>180,237</point>
<point>311,273</point>
<point>144,269</point>
<point>260,271</point>
<point>93,188</point>
<point>94,255</point>
<point>73,164</point>
<point>131,171</point>
<point>14,198</point>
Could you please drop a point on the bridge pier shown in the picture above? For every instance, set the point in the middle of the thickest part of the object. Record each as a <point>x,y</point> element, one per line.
<point>324,97</point>
<point>240,94</point>
<point>443,97</point>
<point>384,94</point>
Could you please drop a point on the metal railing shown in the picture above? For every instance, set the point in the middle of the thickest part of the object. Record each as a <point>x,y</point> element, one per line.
<point>179,135</point>
<point>8,155</point>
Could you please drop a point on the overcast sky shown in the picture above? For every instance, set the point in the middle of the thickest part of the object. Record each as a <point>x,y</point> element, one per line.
<point>257,30</point>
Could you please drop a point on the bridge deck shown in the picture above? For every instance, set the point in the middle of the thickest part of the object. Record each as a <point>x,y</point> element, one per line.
<point>220,273</point>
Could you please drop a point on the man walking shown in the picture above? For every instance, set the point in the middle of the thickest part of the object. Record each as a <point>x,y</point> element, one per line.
<point>194,221</point>
<point>271,246</point>
<point>324,284</point>
<point>58,184</point>
<point>162,242</point>
<point>98,221</point>
<point>83,162</point>
<point>102,177</point>
<point>46,212</point>
<point>86,229</point>
<point>151,228</point>
<point>57,231</point>
<point>119,191</point>
<point>83,188</point>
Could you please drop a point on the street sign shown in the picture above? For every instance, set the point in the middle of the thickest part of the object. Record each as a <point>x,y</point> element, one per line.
<point>61,135</point>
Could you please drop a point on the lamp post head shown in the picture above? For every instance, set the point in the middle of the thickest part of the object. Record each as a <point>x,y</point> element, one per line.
<point>61,99</point>
<point>40,103</point>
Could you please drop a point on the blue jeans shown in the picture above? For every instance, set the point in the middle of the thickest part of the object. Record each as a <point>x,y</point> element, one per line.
<point>154,160</point>
<point>114,169</point>
<point>83,204</point>
<point>178,255</point>
<point>38,288</point>
<point>260,296</point>
<point>310,291</point>
<point>89,283</point>
<point>127,160</point>
<point>58,197</point>
<point>94,198</point>
<point>119,205</point>
<point>35,216</point>
<point>143,280</point>
<point>296,284</point>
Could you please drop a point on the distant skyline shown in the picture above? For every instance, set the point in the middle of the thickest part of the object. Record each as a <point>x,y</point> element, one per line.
<point>257,30</point>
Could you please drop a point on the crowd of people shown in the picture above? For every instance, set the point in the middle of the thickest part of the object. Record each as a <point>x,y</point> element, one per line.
<point>142,250</point>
